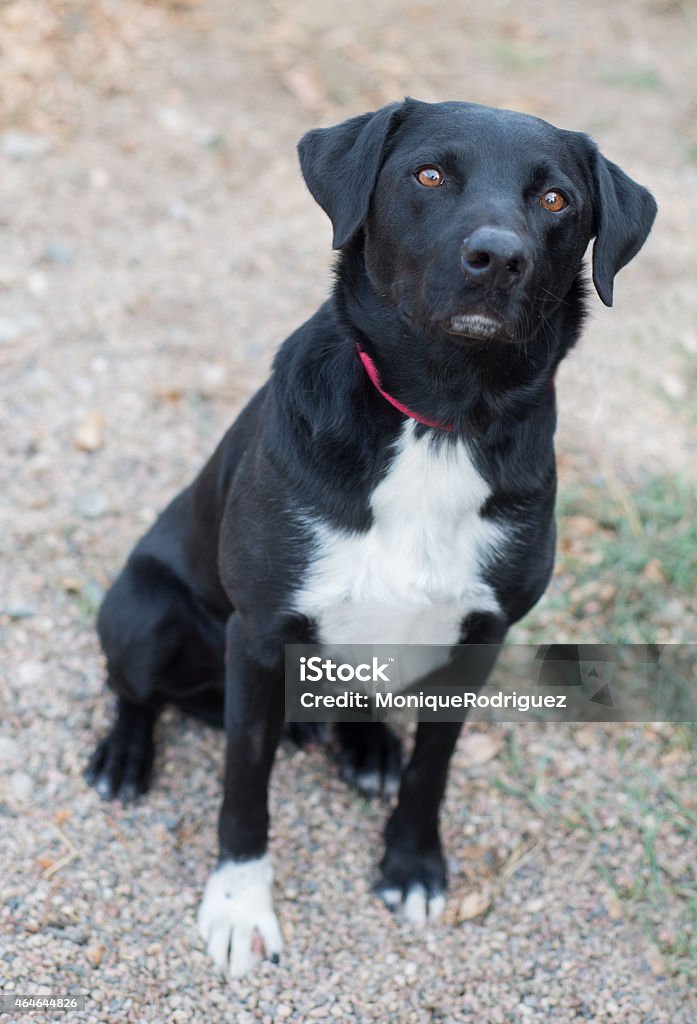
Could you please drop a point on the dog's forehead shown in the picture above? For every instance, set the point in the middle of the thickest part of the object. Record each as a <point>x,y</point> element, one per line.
<point>471,128</point>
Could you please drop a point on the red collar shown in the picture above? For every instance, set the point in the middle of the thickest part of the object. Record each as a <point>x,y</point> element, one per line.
<point>372,371</point>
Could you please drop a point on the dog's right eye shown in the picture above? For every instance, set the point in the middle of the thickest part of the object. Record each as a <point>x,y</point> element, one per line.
<point>429,177</point>
<point>553,200</point>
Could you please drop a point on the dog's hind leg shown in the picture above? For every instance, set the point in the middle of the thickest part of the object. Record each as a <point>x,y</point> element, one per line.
<point>121,765</point>
<point>370,757</point>
<point>162,646</point>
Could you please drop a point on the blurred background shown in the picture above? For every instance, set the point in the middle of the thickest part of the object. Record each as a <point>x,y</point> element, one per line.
<point>158,243</point>
<point>152,203</point>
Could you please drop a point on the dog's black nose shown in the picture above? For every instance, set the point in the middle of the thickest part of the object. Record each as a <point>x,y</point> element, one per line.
<point>494,257</point>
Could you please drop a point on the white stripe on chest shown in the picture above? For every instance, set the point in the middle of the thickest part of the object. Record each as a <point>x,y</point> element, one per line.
<point>417,571</point>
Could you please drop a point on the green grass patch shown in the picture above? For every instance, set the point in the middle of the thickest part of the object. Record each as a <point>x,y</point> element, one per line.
<point>627,561</point>
<point>660,896</point>
<point>519,56</point>
<point>641,79</point>
<point>662,530</point>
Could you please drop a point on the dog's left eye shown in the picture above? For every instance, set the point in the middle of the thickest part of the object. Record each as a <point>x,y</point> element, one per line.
<point>429,177</point>
<point>553,201</point>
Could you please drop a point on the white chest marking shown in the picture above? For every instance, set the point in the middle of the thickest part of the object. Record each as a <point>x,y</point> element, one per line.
<point>417,572</point>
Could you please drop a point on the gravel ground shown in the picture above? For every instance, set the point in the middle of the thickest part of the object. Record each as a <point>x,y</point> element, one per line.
<point>151,207</point>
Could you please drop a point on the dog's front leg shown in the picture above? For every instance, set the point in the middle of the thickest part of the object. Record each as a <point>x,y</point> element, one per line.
<point>413,872</point>
<point>236,917</point>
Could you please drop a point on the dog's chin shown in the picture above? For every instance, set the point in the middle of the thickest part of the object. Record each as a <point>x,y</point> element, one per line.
<point>476,327</point>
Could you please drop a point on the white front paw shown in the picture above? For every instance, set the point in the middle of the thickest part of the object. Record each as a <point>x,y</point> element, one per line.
<point>236,918</point>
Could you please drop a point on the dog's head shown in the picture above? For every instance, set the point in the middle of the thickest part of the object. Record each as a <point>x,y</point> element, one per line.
<point>474,221</point>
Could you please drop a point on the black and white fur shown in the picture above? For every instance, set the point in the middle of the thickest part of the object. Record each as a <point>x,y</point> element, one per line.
<point>326,514</point>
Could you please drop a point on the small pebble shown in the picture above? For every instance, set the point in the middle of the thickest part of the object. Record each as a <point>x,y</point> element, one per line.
<point>18,611</point>
<point>73,933</point>
<point>10,750</point>
<point>23,146</point>
<point>59,253</point>
<point>100,179</point>
<point>21,786</point>
<point>89,434</point>
<point>13,328</point>
<point>92,505</point>
<point>30,671</point>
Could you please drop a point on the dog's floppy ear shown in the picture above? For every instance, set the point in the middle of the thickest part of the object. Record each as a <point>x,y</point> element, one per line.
<point>341,164</point>
<point>624,213</point>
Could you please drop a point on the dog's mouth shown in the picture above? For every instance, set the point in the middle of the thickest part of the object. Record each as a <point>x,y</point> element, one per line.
<point>477,326</point>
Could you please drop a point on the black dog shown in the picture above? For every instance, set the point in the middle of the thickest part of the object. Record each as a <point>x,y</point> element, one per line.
<point>393,481</point>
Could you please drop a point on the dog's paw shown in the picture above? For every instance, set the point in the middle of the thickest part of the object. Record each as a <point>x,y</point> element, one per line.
<point>236,918</point>
<point>412,885</point>
<point>121,765</point>
<point>370,758</point>
<point>306,734</point>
